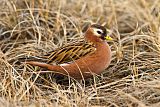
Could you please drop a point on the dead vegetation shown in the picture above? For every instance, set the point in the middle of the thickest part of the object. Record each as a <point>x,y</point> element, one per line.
<point>36,27</point>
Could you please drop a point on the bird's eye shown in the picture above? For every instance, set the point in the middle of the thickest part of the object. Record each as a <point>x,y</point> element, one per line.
<point>99,32</point>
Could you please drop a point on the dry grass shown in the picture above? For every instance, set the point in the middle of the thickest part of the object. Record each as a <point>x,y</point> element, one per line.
<point>35,27</point>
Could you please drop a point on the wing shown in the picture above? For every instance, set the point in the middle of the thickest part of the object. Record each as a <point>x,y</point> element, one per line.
<point>70,53</point>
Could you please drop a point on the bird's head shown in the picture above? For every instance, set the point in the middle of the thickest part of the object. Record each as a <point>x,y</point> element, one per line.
<point>99,31</point>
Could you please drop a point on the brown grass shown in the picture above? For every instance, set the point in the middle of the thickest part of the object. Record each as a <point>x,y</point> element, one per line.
<point>36,27</point>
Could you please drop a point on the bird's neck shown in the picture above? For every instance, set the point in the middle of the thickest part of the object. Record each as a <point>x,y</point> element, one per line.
<point>100,44</point>
<point>89,36</point>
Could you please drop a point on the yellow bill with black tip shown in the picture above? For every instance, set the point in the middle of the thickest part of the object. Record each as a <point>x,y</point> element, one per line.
<point>108,38</point>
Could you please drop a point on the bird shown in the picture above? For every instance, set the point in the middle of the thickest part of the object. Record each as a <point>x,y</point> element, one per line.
<point>79,60</point>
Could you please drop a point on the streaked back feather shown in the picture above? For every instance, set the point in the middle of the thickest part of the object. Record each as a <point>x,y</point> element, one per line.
<point>70,52</point>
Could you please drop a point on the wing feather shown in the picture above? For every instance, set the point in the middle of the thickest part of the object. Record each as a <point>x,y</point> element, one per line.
<point>70,52</point>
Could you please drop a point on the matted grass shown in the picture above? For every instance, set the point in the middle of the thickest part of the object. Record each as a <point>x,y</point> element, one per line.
<point>35,27</point>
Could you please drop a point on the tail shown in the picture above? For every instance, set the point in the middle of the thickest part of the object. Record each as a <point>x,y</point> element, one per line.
<point>54,68</point>
<point>31,59</point>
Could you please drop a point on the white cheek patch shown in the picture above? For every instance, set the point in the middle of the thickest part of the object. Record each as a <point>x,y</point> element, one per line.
<point>95,31</point>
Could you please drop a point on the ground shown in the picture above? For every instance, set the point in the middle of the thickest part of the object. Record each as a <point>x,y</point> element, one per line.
<point>35,27</point>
